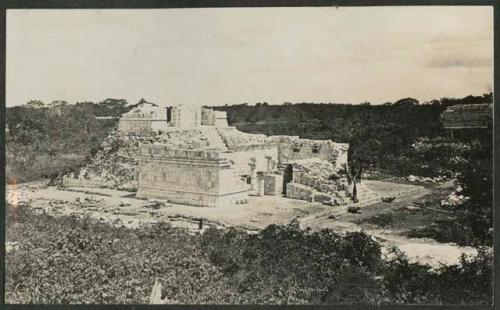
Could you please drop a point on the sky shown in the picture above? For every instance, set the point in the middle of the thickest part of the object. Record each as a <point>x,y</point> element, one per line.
<point>217,56</point>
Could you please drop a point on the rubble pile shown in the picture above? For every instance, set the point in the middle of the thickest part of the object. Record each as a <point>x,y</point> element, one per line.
<point>320,169</point>
<point>413,178</point>
<point>234,138</point>
<point>455,198</point>
<point>318,180</point>
<point>321,175</point>
<point>184,139</point>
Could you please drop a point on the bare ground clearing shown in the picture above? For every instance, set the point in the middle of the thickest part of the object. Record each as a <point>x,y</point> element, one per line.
<point>122,208</point>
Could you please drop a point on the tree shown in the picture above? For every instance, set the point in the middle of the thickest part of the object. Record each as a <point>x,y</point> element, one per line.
<point>353,176</point>
<point>35,104</point>
<point>407,102</point>
<point>476,181</point>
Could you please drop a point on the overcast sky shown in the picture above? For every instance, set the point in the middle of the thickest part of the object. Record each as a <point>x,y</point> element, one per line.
<point>235,55</point>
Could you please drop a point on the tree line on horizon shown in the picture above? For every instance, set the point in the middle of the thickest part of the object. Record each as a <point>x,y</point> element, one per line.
<point>115,106</point>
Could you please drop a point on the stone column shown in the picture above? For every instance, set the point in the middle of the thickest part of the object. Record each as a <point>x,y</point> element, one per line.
<point>269,164</point>
<point>260,183</point>
<point>252,165</point>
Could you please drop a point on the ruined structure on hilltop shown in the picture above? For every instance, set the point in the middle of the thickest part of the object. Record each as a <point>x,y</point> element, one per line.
<point>232,164</point>
<point>468,116</point>
<point>148,117</point>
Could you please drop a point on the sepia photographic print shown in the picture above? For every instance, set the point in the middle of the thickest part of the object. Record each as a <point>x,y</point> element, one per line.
<point>250,155</point>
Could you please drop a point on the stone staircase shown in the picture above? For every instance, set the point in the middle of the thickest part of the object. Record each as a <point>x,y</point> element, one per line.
<point>214,139</point>
<point>366,197</point>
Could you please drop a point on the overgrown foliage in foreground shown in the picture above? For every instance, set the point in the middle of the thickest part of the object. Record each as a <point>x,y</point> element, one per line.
<point>70,260</point>
<point>284,264</point>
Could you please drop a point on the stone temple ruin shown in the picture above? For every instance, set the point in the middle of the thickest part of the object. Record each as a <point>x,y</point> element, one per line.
<point>230,165</point>
<point>148,118</point>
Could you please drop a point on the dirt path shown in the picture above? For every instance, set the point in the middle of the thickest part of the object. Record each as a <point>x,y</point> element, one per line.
<point>420,250</point>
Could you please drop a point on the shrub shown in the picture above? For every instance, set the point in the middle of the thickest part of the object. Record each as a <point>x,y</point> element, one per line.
<point>69,260</point>
<point>469,282</point>
<point>285,264</point>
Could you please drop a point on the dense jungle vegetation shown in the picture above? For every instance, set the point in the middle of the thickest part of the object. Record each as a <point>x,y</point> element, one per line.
<point>44,140</point>
<point>70,260</point>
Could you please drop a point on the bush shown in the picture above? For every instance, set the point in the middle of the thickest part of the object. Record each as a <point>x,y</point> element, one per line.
<point>284,264</point>
<point>69,260</point>
<point>438,157</point>
<point>72,260</point>
<point>470,282</point>
<point>43,141</point>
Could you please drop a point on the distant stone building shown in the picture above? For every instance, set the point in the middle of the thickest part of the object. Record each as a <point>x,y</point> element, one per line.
<point>468,116</point>
<point>148,117</point>
<point>232,165</point>
<point>211,117</point>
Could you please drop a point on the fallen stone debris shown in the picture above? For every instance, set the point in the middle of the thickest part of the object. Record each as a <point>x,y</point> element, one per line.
<point>354,210</point>
<point>388,199</point>
<point>419,179</point>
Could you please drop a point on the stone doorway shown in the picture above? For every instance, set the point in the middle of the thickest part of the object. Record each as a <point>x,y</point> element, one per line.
<point>287,177</point>
<point>169,114</point>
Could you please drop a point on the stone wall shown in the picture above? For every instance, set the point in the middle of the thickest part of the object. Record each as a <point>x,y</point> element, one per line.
<point>134,125</point>
<point>215,118</point>
<point>193,177</point>
<point>230,181</point>
<point>318,184</point>
<point>240,159</point>
<point>292,148</point>
<point>142,125</point>
<point>194,199</point>
<point>273,184</point>
<point>322,197</point>
<point>207,117</point>
<point>186,116</point>
<point>237,140</point>
<point>146,112</point>
<point>221,119</point>
<point>304,192</point>
<point>143,119</point>
<point>147,119</point>
<point>73,182</point>
<point>299,191</point>
<point>466,116</point>
<point>183,175</point>
<point>160,125</point>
